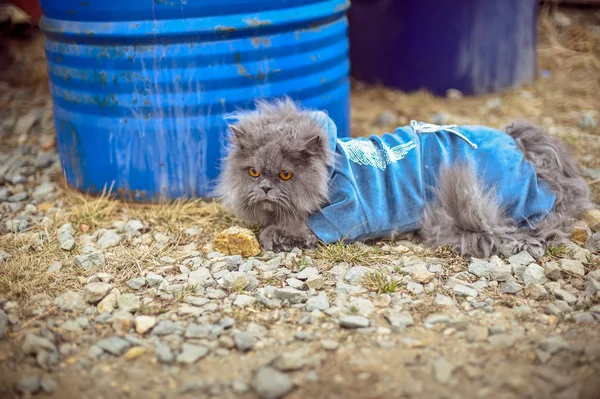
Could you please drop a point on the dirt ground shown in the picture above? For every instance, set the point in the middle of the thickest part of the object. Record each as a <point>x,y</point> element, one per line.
<point>517,355</point>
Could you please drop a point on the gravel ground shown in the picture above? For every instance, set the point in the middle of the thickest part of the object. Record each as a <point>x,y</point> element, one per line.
<point>102,299</point>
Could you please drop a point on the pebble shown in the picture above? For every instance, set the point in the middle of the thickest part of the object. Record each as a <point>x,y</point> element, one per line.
<point>330,344</point>
<point>443,300</point>
<point>235,281</point>
<point>292,295</point>
<point>464,290</point>
<point>360,306</point>
<point>522,258</point>
<point>317,302</point>
<point>43,191</point>
<point>398,319</point>
<point>356,274</point>
<point>122,322</point>
<point>113,345</point>
<point>143,324</point>
<point>511,287</point>
<point>95,292</point>
<point>136,283</point>
<point>66,241</point>
<point>440,118</point>
<point>33,344</point>
<point>552,271</point>
<point>442,370</point>
<point>477,333</point>
<point>501,272</point>
<point>166,327</point>
<point>572,267</point>
<point>243,301</point>
<point>592,244</point>
<point>454,94</point>
<point>269,383</point>
<point>109,239</point>
<point>54,267</point>
<point>481,268</point>
<point>3,324</point>
<point>592,287</point>
<point>386,118</point>
<point>129,303</point>
<point>154,279</point>
<point>90,261</point>
<point>354,322</point>
<point>315,282</point>
<point>307,272</point>
<point>534,274</point>
<point>48,385</point>
<point>163,353</point>
<point>70,300</point>
<point>134,353</point>
<point>416,288</point>
<point>108,303</point>
<point>584,318</point>
<point>553,344</point>
<point>501,341</point>
<point>565,295</point>
<point>382,300</point>
<point>588,120</point>
<point>295,283</point>
<point>536,291</point>
<point>244,341</point>
<point>191,353</point>
<point>197,331</point>
<point>29,384</point>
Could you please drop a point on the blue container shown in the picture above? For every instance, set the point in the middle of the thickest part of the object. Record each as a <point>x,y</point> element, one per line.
<point>476,46</point>
<point>140,87</point>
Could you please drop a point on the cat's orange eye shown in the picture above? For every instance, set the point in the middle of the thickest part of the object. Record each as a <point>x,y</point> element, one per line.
<point>285,175</point>
<point>253,172</point>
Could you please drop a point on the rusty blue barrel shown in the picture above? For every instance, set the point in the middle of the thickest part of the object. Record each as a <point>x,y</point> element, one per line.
<point>476,46</point>
<point>140,88</point>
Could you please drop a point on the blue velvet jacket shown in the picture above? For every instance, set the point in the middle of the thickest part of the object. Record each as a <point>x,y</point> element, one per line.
<point>381,184</point>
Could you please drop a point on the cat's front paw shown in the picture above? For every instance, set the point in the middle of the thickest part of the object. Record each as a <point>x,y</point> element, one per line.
<point>278,239</point>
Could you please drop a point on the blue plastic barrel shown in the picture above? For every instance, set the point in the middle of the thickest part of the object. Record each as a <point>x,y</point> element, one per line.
<point>140,87</point>
<point>476,46</point>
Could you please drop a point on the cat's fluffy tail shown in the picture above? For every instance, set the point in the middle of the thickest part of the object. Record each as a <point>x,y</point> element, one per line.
<point>467,217</point>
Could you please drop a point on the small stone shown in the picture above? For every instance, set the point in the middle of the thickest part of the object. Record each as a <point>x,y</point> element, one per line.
<point>30,384</point>
<point>356,274</point>
<point>493,103</point>
<point>400,320</point>
<point>317,302</point>
<point>4,256</point>
<point>108,303</point>
<point>307,272</point>
<point>70,300</point>
<point>154,279</point>
<point>572,267</point>
<point>54,267</point>
<point>166,327</point>
<point>593,243</point>
<point>501,341</point>
<point>511,287</point>
<point>442,370</point>
<point>534,274</point>
<point>536,292</point>
<point>144,324</point>
<point>113,345</point>
<point>481,268</point>
<point>236,281</point>
<point>565,296</point>
<point>243,301</point>
<point>66,241</point>
<point>592,287</point>
<point>269,383</point>
<point>454,94</point>
<point>477,333</point>
<point>122,322</point>
<point>136,283</point>
<point>592,218</point>
<point>49,386</point>
<point>422,276</point>
<point>3,324</point>
<point>552,271</point>
<point>581,232</point>
<point>553,344</point>
<point>134,352</point>
<point>315,282</point>
<point>561,19</point>
<point>244,341</point>
<point>443,300</point>
<point>33,344</point>
<point>109,239</point>
<point>197,331</point>
<point>237,241</point>
<point>464,290</point>
<point>361,306</point>
<point>386,118</point>
<point>43,191</point>
<point>95,292</point>
<point>129,303</point>
<point>354,322</point>
<point>584,318</point>
<point>587,121</point>
<point>501,272</point>
<point>90,261</point>
<point>292,295</point>
<point>295,283</point>
<point>382,301</point>
<point>440,118</point>
<point>522,258</point>
<point>163,353</point>
<point>191,353</point>
<point>330,344</point>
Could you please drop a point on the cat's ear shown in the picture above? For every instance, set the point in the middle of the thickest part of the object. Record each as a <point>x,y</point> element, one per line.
<point>313,146</point>
<point>239,135</point>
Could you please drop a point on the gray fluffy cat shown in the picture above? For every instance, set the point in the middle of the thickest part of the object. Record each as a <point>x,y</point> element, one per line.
<point>276,174</point>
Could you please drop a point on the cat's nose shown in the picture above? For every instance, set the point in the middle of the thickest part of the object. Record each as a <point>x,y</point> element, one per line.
<point>266,189</point>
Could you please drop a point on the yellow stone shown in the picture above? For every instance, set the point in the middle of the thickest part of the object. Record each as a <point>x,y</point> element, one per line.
<point>237,241</point>
<point>592,218</point>
<point>581,232</point>
<point>134,352</point>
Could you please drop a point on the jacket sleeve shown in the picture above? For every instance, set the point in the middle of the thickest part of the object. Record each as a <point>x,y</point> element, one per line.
<point>343,219</point>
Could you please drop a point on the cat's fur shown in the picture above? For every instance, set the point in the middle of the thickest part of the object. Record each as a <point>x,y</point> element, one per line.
<point>278,135</point>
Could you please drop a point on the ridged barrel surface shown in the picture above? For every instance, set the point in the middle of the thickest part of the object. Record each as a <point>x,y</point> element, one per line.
<point>140,88</point>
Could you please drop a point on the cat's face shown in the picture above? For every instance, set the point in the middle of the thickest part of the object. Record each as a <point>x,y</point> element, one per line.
<point>276,170</point>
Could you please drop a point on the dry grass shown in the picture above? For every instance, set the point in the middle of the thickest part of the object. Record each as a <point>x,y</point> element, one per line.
<point>89,210</point>
<point>379,282</point>
<point>354,254</point>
